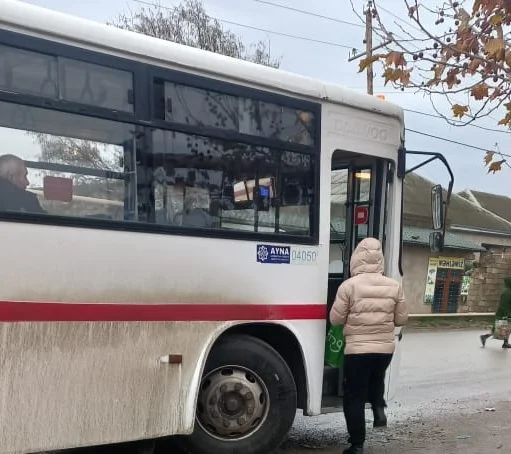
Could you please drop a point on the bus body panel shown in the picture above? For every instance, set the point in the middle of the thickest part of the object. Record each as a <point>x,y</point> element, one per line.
<point>102,381</point>
<point>78,384</point>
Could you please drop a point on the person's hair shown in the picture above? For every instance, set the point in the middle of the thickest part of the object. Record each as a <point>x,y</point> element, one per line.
<point>9,165</point>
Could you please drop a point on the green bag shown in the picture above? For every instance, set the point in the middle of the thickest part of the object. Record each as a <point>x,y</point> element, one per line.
<point>334,347</point>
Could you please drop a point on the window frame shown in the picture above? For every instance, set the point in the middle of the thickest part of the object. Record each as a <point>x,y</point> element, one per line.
<point>144,76</point>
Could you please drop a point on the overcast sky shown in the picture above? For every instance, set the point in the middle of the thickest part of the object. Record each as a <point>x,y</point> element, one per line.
<point>329,62</point>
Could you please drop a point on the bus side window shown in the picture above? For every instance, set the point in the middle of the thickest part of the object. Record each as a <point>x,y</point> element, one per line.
<point>213,183</point>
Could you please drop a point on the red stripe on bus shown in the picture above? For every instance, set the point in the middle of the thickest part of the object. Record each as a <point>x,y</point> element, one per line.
<point>14,311</point>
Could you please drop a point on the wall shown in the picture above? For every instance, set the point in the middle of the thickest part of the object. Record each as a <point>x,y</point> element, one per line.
<point>415,267</point>
<point>488,281</point>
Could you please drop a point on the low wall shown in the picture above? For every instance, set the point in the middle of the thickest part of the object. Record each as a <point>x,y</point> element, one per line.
<point>488,282</point>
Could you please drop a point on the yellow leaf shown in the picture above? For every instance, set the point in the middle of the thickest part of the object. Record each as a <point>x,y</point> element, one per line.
<point>496,166</point>
<point>459,110</point>
<point>494,46</point>
<point>392,75</point>
<point>464,19</point>
<point>504,121</point>
<point>364,63</point>
<point>405,77</point>
<point>496,19</point>
<point>488,157</point>
<point>474,65</point>
<point>452,78</point>
<point>480,91</point>
<point>396,58</point>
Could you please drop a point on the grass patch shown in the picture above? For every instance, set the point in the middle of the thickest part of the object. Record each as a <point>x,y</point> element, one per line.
<point>451,322</point>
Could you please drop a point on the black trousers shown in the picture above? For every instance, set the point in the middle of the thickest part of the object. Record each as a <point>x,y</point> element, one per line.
<point>364,381</point>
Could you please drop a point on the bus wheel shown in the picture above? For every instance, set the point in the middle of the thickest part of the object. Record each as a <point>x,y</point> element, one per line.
<point>247,399</point>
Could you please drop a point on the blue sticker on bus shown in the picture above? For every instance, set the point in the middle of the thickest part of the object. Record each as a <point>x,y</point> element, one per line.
<point>266,253</point>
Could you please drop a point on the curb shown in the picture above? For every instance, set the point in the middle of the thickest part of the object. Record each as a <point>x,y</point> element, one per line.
<point>450,321</point>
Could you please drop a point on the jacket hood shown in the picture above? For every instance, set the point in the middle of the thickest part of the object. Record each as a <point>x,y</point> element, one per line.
<point>367,257</point>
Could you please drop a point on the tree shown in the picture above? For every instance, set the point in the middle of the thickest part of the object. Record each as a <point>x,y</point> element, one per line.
<point>190,24</point>
<point>462,54</point>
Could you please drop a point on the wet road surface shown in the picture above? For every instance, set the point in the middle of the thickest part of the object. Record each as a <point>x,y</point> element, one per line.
<point>445,376</point>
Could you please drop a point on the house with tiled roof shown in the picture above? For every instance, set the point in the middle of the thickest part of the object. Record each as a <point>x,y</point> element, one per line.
<point>433,282</point>
<point>498,205</point>
<point>464,215</point>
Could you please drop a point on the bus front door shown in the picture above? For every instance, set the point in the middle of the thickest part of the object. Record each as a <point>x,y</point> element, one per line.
<point>357,195</point>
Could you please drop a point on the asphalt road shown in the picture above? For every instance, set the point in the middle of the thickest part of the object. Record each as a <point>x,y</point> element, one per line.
<point>444,375</point>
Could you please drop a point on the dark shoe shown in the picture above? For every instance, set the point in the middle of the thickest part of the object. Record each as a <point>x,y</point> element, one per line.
<point>483,338</point>
<point>354,449</point>
<point>506,345</point>
<point>380,419</point>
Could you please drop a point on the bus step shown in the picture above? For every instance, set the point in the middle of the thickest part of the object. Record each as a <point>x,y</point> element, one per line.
<point>331,404</point>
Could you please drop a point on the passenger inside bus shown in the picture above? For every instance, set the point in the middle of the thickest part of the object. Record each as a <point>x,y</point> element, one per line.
<point>13,185</point>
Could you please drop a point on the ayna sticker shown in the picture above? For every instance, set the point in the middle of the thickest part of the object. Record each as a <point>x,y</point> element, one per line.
<point>267,253</point>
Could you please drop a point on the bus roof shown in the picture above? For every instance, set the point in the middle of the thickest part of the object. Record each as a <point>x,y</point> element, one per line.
<point>45,23</point>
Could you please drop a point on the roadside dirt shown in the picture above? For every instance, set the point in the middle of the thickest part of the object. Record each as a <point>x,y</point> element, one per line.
<point>472,432</point>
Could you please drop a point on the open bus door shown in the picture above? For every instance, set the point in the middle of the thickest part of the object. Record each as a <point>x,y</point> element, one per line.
<point>358,200</point>
<point>360,189</point>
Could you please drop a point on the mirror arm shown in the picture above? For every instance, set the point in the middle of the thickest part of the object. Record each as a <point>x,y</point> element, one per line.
<point>441,158</point>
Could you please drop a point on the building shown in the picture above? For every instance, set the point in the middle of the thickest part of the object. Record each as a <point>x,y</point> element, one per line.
<point>437,283</point>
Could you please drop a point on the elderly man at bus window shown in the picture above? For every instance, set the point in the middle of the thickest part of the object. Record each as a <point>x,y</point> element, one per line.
<point>13,185</point>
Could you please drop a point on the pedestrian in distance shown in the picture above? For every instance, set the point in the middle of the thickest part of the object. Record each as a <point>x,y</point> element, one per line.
<point>369,305</point>
<point>503,312</point>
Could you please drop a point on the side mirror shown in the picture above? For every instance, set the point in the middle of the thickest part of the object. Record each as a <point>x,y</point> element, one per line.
<point>437,207</point>
<point>436,242</point>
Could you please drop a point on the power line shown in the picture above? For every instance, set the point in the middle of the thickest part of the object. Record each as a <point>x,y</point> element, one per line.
<point>273,32</point>
<point>309,13</point>
<point>474,147</point>
<point>303,38</point>
<point>469,124</point>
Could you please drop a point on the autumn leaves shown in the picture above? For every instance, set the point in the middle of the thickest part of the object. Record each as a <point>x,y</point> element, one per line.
<point>466,55</point>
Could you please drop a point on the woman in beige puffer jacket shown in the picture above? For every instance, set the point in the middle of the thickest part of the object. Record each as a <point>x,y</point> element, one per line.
<point>369,305</point>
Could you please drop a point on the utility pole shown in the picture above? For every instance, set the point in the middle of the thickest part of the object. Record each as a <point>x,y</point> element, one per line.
<point>369,48</point>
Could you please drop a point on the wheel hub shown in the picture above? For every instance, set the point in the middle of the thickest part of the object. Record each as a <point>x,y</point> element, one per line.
<point>233,403</point>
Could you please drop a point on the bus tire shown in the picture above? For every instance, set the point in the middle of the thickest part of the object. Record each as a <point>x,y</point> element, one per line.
<point>247,399</point>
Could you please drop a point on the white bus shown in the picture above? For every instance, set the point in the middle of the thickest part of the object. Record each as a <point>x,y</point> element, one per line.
<point>198,214</point>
